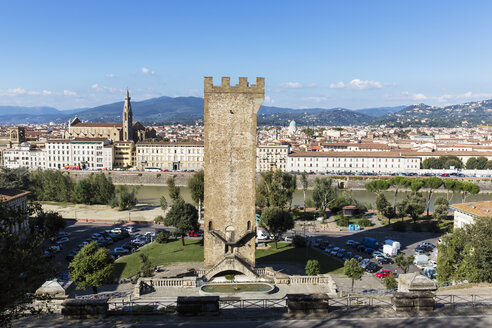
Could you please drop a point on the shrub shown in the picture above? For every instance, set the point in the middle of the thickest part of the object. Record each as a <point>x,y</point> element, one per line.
<point>342,220</point>
<point>159,218</point>
<point>399,226</point>
<point>230,277</point>
<point>162,237</point>
<point>364,222</point>
<point>416,227</point>
<point>390,282</point>
<point>312,268</point>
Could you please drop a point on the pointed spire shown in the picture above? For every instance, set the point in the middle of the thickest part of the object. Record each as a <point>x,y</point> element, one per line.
<point>127,94</point>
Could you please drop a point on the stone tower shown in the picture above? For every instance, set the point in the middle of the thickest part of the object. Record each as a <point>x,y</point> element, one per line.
<point>127,119</point>
<point>230,171</point>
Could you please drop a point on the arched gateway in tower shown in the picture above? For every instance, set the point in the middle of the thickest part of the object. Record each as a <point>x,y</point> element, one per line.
<point>230,175</point>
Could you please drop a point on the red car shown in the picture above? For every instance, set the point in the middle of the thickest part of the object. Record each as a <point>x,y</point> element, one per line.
<point>383,273</point>
<point>195,234</point>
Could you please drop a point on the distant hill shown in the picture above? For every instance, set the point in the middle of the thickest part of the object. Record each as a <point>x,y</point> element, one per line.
<point>190,109</point>
<point>468,114</point>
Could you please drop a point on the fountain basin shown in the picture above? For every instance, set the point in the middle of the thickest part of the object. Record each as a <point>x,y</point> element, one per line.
<point>245,288</point>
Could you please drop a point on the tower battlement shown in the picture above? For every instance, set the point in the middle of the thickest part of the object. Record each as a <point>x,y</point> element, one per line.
<point>242,87</point>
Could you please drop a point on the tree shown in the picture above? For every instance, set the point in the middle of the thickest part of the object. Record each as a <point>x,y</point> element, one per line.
<point>467,189</point>
<point>50,221</point>
<point>323,194</point>
<point>22,266</point>
<point>126,198</point>
<point>471,163</point>
<point>390,282</point>
<point>353,270</point>
<point>312,268</point>
<point>466,254</point>
<point>397,183</point>
<point>413,206</point>
<point>276,221</point>
<point>384,207</point>
<point>162,237</point>
<point>441,205</point>
<point>15,178</point>
<point>416,185</point>
<point>450,185</point>
<point>276,188</point>
<point>91,267</point>
<point>146,269</point>
<point>377,186</point>
<point>174,191</point>
<point>404,262</point>
<point>304,184</point>
<point>184,217</point>
<point>197,189</point>
<point>431,184</point>
<point>83,192</point>
<point>51,185</point>
<point>103,189</point>
<point>163,202</point>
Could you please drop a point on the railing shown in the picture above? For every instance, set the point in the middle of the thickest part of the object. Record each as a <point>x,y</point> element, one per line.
<point>161,306</point>
<point>473,300</point>
<point>253,304</point>
<point>304,280</point>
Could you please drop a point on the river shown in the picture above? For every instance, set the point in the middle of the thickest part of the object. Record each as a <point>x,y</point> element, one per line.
<point>151,194</point>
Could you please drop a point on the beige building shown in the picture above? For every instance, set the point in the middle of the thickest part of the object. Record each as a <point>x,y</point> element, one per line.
<point>466,213</point>
<point>272,157</point>
<point>79,153</point>
<point>15,199</point>
<point>172,156</point>
<point>124,131</point>
<point>124,154</point>
<point>376,162</point>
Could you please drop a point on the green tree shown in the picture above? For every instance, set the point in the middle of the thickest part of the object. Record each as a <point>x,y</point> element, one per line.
<point>441,210</point>
<point>163,202</point>
<point>22,266</point>
<point>384,207</point>
<point>309,132</point>
<point>51,185</point>
<point>304,184</point>
<point>83,192</point>
<point>471,163</point>
<point>390,282</point>
<point>174,191</point>
<point>398,183</point>
<point>50,221</point>
<point>126,198</point>
<point>276,188</point>
<point>404,262</point>
<point>15,178</point>
<point>323,194</point>
<point>91,267</point>
<point>416,185</point>
<point>413,206</point>
<point>146,269</point>
<point>184,217</point>
<point>276,221</point>
<point>467,189</point>
<point>466,254</point>
<point>450,186</point>
<point>312,268</point>
<point>197,188</point>
<point>353,270</point>
<point>431,183</point>
<point>104,189</point>
<point>377,186</point>
<point>162,237</point>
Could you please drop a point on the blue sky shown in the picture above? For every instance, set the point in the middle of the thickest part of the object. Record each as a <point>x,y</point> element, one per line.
<point>353,54</point>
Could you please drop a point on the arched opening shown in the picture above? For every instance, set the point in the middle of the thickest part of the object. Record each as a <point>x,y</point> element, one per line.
<point>248,225</point>
<point>210,225</point>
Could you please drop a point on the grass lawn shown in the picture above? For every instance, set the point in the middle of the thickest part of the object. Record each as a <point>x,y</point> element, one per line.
<point>159,254</point>
<point>288,254</point>
<point>173,252</point>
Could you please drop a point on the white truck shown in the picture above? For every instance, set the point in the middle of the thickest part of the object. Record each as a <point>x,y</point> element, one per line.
<point>391,247</point>
<point>262,235</point>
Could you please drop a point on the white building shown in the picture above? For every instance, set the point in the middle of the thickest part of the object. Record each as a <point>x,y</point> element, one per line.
<point>17,156</point>
<point>375,162</point>
<point>83,153</point>
<point>272,157</point>
<point>171,156</point>
<point>466,213</point>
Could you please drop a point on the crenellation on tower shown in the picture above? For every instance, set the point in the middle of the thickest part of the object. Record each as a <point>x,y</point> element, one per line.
<point>242,87</point>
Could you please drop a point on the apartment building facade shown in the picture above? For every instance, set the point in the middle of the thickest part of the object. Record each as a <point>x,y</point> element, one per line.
<point>172,156</point>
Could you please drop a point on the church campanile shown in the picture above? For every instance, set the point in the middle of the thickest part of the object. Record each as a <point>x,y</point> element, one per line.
<point>127,119</point>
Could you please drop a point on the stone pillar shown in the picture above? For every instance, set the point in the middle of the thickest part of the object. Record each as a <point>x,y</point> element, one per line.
<point>307,303</point>
<point>415,294</point>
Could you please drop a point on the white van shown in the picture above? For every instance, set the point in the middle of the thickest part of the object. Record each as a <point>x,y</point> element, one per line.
<point>262,235</point>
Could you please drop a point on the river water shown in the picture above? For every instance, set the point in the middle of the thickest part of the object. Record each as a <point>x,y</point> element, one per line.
<point>152,194</point>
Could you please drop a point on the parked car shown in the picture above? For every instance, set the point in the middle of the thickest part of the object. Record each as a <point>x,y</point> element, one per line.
<point>361,248</point>
<point>62,234</point>
<point>194,234</point>
<point>386,260</point>
<point>130,229</point>
<point>47,254</point>
<point>355,244</point>
<point>376,253</point>
<point>120,251</point>
<point>289,238</point>
<point>116,230</point>
<point>372,267</point>
<point>62,240</point>
<point>369,251</point>
<point>333,253</point>
<point>340,254</point>
<point>383,273</point>
<point>54,248</point>
<point>358,257</point>
<point>428,244</point>
<point>349,242</point>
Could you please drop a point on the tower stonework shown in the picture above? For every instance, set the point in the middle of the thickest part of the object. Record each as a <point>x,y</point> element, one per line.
<point>127,119</point>
<point>230,171</point>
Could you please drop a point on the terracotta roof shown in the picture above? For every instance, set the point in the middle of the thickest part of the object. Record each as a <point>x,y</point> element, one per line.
<point>98,125</point>
<point>483,208</point>
<point>351,154</point>
<point>167,143</point>
<point>78,140</point>
<point>9,194</point>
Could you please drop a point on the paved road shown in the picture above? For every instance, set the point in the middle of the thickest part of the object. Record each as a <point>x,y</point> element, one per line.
<point>143,322</point>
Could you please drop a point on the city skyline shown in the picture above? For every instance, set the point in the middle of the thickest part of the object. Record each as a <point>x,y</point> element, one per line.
<point>316,55</point>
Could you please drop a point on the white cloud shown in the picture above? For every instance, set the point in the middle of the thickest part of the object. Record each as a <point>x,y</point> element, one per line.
<point>69,93</point>
<point>269,100</point>
<point>21,91</point>
<point>316,99</point>
<point>95,86</point>
<point>412,96</point>
<point>296,85</point>
<point>109,76</point>
<point>46,92</point>
<point>102,88</point>
<point>146,70</point>
<point>16,92</point>
<point>463,96</point>
<point>357,84</point>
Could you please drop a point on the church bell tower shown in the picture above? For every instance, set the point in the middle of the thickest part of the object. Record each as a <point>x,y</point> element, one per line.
<point>127,119</point>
